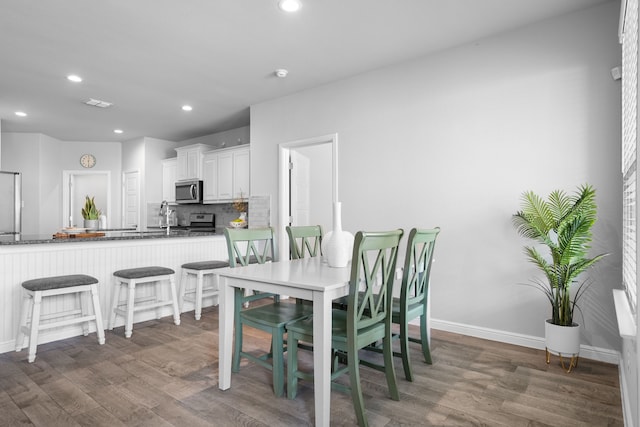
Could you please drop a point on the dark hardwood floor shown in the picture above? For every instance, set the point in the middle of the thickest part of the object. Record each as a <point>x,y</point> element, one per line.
<point>167,375</point>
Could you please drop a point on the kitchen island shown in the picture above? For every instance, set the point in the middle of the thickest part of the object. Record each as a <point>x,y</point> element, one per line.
<point>32,257</point>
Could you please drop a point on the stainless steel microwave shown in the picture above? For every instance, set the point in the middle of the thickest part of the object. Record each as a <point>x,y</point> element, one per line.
<point>189,191</point>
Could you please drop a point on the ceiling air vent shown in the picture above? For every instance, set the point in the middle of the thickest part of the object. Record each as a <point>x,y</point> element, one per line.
<point>98,103</point>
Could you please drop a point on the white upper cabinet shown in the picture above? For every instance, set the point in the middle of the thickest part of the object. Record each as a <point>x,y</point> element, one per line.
<point>210,177</point>
<point>190,161</point>
<point>241,173</point>
<point>226,174</point>
<point>169,169</point>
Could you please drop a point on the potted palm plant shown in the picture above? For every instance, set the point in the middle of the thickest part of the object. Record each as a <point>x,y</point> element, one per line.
<point>90,213</point>
<point>563,224</point>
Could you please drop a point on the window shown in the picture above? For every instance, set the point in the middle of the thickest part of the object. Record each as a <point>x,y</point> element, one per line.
<point>629,39</point>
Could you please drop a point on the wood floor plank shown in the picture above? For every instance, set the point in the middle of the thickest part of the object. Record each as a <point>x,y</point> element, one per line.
<point>98,417</point>
<point>47,413</point>
<point>167,375</point>
<point>10,414</point>
<point>69,397</point>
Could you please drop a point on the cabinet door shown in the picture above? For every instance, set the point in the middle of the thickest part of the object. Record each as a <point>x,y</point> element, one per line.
<point>210,177</point>
<point>225,175</point>
<point>169,169</point>
<point>190,161</point>
<point>181,171</point>
<point>194,158</point>
<point>241,171</point>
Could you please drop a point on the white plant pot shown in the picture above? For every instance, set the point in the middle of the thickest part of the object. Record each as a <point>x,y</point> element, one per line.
<point>562,340</point>
<point>91,224</point>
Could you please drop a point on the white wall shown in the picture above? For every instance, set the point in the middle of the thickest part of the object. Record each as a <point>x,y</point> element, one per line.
<point>155,151</point>
<point>21,153</point>
<point>41,160</point>
<point>226,139</point>
<point>453,139</point>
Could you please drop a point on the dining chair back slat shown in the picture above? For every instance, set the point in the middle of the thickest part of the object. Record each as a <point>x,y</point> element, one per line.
<point>304,241</point>
<point>249,246</point>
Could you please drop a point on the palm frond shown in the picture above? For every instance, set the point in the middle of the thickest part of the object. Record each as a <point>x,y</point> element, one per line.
<point>563,223</point>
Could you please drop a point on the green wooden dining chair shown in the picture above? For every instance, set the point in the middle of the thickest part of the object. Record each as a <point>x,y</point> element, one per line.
<point>247,246</point>
<point>366,320</point>
<point>413,300</point>
<point>414,294</point>
<point>304,241</point>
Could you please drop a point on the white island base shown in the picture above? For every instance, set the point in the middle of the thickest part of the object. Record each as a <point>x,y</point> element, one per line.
<point>98,259</point>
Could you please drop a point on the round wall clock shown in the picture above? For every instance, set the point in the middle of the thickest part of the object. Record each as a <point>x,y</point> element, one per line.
<point>88,160</point>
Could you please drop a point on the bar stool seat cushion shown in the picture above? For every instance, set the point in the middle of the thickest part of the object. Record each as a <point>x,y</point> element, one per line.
<point>205,265</point>
<point>139,273</point>
<point>58,282</point>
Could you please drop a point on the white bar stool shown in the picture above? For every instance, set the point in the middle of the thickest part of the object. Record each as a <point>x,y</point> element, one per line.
<point>199,292</point>
<point>37,289</point>
<point>131,277</point>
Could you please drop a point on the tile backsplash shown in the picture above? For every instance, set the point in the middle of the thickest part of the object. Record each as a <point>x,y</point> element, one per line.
<point>224,213</point>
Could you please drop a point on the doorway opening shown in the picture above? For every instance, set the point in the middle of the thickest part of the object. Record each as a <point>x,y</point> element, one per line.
<point>76,185</point>
<point>307,191</point>
<point>131,199</point>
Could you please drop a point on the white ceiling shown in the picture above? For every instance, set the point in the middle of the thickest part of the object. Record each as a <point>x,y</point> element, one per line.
<point>149,57</point>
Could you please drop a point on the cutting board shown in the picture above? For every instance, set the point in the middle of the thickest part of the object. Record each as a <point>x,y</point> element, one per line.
<point>77,235</point>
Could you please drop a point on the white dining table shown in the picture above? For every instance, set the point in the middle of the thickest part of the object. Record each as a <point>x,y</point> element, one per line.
<point>308,278</point>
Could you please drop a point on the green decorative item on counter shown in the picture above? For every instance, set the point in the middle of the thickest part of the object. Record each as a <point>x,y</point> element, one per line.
<point>90,211</point>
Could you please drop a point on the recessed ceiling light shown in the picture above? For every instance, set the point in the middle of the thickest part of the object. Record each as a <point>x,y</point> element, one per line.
<point>21,114</point>
<point>187,107</point>
<point>289,5</point>
<point>74,78</point>
<point>117,131</point>
<point>98,103</point>
<point>281,72</point>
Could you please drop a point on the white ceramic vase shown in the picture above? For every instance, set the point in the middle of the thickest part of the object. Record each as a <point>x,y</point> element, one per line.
<point>562,340</point>
<point>337,245</point>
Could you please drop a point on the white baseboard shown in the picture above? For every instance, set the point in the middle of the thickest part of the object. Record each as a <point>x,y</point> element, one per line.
<point>627,406</point>
<point>586,351</point>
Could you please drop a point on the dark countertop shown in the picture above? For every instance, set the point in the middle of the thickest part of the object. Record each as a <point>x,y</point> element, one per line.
<point>7,240</point>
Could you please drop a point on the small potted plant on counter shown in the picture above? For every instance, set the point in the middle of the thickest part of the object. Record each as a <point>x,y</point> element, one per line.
<point>90,213</point>
<point>563,224</point>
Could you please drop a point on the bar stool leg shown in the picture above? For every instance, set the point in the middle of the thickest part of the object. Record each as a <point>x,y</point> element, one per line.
<point>114,304</point>
<point>98,314</point>
<point>128,327</point>
<point>24,315</point>
<point>158,291</point>
<point>35,324</point>
<point>199,286</point>
<point>81,297</point>
<point>184,280</point>
<point>174,298</point>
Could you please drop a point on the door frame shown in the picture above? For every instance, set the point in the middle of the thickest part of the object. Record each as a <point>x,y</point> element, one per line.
<point>123,213</point>
<point>66,195</point>
<point>284,150</point>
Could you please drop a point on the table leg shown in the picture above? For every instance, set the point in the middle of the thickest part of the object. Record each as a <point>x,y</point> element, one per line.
<point>225,334</point>
<point>322,357</point>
